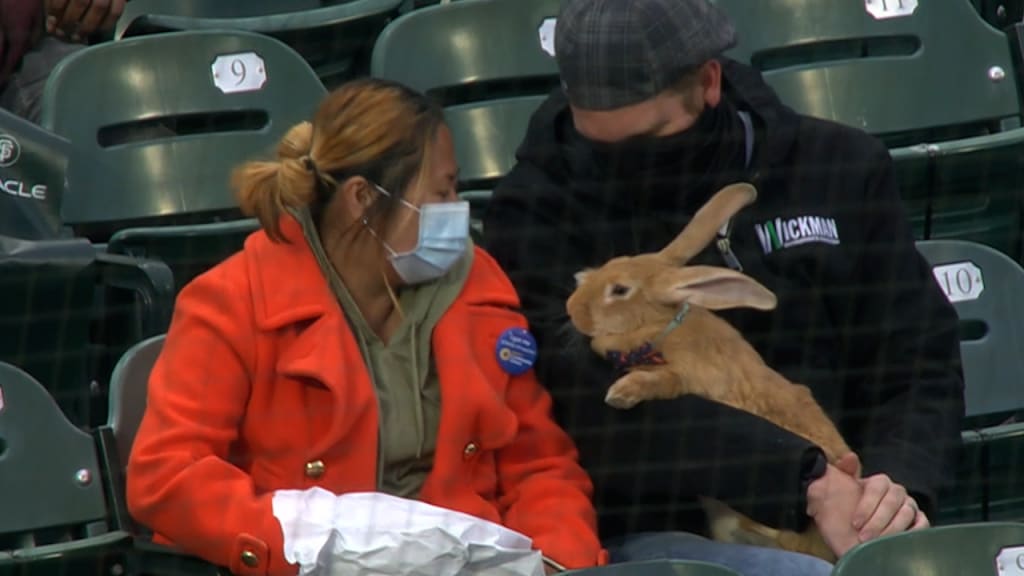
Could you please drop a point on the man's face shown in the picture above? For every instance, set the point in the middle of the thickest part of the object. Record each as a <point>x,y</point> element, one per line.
<point>670,112</point>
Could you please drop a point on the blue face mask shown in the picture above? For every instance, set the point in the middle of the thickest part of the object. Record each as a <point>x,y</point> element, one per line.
<point>444,235</point>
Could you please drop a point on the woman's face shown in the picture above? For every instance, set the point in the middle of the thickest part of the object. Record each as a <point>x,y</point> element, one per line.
<point>437,183</point>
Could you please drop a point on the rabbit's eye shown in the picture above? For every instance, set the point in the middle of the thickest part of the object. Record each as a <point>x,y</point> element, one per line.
<point>618,290</point>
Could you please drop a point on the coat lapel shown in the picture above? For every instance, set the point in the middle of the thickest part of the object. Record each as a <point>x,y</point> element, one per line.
<point>292,298</point>
<point>473,407</point>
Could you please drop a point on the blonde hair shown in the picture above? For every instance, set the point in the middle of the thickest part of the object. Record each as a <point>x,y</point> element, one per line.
<point>372,128</point>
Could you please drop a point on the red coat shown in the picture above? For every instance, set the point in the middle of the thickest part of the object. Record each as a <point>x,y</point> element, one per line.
<point>261,386</point>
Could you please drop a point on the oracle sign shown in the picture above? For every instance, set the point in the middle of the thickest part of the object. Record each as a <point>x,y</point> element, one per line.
<point>10,153</point>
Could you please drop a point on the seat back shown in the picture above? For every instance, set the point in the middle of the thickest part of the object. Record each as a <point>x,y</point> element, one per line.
<point>128,386</point>
<point>49,293</point>
<point>985,287</point>
<point>487,64</point>
<point>187,250</point>
<point>32,168</point>
<point>333,36</point>
<point>50,479</point>
<point>878,65</point>
<point>475,49</point>
<point>957,549</point>
<point>170,116</point>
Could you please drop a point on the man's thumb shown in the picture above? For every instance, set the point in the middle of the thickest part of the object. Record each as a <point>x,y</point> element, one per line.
<point>849,463</point>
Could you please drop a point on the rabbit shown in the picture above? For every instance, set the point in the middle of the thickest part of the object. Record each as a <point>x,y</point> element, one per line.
<point>652,316</point>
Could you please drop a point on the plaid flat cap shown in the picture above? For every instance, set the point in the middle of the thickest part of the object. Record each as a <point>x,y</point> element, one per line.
<point>613,53</point>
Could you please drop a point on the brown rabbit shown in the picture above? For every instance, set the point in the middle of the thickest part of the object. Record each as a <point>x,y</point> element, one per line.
<point>652,316</point>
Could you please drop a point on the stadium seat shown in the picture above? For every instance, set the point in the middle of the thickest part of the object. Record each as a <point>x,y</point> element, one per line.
<point>128,386</point>
<point>188,250</point>
<point>990,548</point>
<point>939,77</point>
<point>54,516</point>
<point>656,568</point>
<point>159,122</point>
<point>462,53</point>
<point>51,306</point>
<point>985,287</point>
<point>334,37</point>
<point>127,399</point>
<point>33,162</point>
<point>966,496</point>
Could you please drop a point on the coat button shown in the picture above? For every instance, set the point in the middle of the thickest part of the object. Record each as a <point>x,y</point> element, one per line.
<point>250,559</point>
<point>315,469</point>
<point>469,450</point>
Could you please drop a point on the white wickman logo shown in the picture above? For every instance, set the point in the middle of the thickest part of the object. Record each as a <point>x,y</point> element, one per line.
<point>10,151</point>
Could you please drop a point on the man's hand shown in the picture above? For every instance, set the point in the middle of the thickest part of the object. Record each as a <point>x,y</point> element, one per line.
<point>79,19</point>
<point>832,501</point>
<point>886,508</point>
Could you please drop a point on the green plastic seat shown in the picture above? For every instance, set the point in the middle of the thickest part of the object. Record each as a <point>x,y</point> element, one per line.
<point>188,250</point>
<point>484,62</point>
<point>991,342</point>
<point>964,170</point>
<point>1004,467</point>
<point>334,37</point>
<point>940,77</point>
<point>54,518</point>
<point>657,568</point>
<point>160,139</point>
<point>127,404</point>
<point>967,497</point>
<point>912,166</point>
<point>33,162</point>
<point>51,307</point>
<point>992,338</point>
<point>128,386</point>
<point>957,550</point>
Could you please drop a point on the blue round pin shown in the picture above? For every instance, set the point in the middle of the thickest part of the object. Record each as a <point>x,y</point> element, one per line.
<point>516,351</point>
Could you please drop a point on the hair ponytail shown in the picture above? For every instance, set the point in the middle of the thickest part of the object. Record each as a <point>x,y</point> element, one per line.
<point>266,190</point>
<point>369,127</point>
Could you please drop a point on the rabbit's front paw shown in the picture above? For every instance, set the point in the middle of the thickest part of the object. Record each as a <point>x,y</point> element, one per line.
<point>628,391</point>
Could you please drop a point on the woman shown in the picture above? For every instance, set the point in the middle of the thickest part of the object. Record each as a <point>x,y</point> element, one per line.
<point>352,346</point>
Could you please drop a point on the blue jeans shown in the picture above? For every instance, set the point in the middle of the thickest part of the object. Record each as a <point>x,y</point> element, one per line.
<point>747,560</point>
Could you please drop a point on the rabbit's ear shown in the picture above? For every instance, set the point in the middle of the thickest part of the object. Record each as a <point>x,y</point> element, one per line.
<point>712,288</point>
<point>708,220</point>
<point>581,277</point>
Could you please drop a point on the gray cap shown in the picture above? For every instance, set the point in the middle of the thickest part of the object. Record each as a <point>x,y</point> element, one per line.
<point>613,53</point>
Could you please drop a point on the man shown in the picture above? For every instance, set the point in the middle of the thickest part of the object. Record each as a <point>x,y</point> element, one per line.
<point>650,121</point>
<point>32,43</point>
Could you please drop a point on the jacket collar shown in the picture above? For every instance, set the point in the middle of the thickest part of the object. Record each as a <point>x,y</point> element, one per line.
<point>289,289</point>
<point>288,286</point>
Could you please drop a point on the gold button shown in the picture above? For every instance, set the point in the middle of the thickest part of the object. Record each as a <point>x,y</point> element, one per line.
<point>315,469</point>
<point>250,559</point>
<point>470,450</point>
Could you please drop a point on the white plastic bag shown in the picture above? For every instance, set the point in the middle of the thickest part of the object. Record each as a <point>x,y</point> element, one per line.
<point>372,534</point>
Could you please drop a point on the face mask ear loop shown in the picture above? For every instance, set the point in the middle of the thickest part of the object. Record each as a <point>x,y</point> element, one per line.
<point>383,275</point>
<point>391,293</point>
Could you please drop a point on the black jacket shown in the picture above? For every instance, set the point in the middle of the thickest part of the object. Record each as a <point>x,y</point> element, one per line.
<point>860,319</point>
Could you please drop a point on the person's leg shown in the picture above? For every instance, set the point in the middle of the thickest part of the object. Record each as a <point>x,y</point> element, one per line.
<point>23,93</point>
<point>747,560</point>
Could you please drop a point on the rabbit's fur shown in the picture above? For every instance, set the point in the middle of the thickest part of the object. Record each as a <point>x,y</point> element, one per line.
<point>635,303</point>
